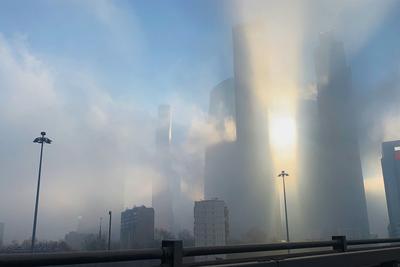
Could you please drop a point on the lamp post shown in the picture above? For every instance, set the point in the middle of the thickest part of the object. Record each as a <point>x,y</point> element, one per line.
<point>41,140</point>
<point>283,174</point>
<point>109,231</point>
<point>100,222</point>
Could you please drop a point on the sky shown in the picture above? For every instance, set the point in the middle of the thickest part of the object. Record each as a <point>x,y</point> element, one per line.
<point>135,48</point>
<point>92,73</point>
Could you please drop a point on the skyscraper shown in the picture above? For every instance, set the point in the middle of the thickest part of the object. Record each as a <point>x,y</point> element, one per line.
<point>308,225</point>
<point>391,175</point>
<point>222,103</point>
<point>339,189</point>
<point>137,227</point>
<point>257,183</point>
<point>1,234</point>
<point>220,174</point>
<point>164,129</point>
<point>166,189</point>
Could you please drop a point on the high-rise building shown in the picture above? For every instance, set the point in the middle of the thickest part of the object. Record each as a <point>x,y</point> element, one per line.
<point>339,189</point>
<point>307,225</point>
<point>220,173</point>
<point>164,130</point>
<point>166,189</point>
<point>391,175</point>
<point>257,183</point>
<point>1,234</point>
<point>211,223</point>
<point>222,103</point>
<point>137,227</point>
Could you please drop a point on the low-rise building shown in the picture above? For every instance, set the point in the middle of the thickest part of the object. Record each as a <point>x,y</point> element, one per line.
<point>211,223</point>
<point>137,227</point>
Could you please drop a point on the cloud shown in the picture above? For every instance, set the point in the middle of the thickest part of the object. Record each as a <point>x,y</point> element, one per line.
<point>103,154</point>
<point>97,142</point>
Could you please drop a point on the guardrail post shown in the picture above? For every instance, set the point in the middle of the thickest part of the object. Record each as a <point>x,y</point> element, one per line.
<point>342,243</point>
<point>172,253</point>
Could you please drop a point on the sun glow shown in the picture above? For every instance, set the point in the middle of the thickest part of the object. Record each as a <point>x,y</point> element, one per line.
<point>283,142</point>
<point>282,130</point>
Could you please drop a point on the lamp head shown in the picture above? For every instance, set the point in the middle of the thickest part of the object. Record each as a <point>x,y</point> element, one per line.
<point>283,174</point>
<point>42,139</point>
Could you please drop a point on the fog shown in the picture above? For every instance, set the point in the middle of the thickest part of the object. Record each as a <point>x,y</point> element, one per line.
<point>104,153</point>
<point>290,62</point>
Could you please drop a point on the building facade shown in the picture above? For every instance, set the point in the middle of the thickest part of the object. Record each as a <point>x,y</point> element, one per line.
<point>391,175</point>
<point>137,227</point>
<point>211,223</point>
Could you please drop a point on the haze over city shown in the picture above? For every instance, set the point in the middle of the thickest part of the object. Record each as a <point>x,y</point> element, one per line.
<point>95,75</point>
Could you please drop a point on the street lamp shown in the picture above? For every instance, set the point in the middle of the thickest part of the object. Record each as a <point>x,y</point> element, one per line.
<point>109,231</point>
<point>101,220</point>
<point>41,140</point>
<point>283,174</point>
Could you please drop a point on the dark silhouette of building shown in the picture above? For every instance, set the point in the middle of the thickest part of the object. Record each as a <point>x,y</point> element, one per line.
<point>137,227</point>
<point>391,175</point>
<point>338,188</point>
<point>1,234</point>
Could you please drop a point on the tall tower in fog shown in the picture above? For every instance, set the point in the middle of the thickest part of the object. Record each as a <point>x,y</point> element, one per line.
<point>258,198</point>
<point>220,171</point>
<point>166,189</point>
<point>339,189</point>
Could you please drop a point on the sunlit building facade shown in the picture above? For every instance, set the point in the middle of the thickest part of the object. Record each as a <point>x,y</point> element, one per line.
<point>254,163</point>
<point>391,175</point>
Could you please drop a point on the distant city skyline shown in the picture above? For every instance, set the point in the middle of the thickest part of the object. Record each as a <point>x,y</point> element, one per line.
<point>93,73</point>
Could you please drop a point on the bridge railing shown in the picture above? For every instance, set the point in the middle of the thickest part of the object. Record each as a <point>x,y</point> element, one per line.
<point>172,253</point>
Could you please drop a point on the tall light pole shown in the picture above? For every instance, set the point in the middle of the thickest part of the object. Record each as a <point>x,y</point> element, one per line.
<point>101,220</point>
<point>41,140</point>
<point>283,174</point>
<point>109,231</point>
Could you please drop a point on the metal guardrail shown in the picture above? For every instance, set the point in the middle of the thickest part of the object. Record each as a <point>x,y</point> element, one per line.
<point>64,258</point>
<point>203,251</point>
<point>172,254</point>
